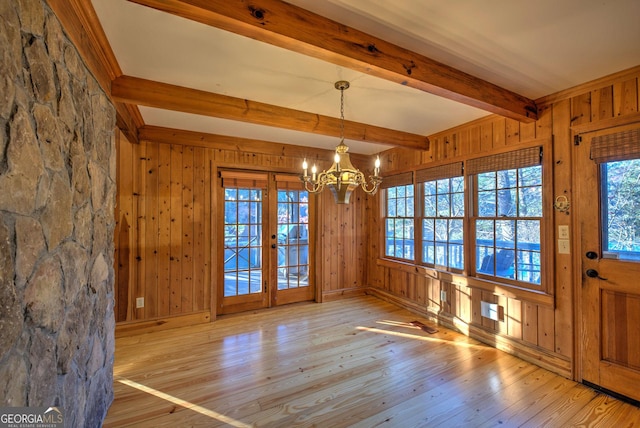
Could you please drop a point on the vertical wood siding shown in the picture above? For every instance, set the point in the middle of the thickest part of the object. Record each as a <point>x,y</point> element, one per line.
<point>167,189</point>
<point>165,214</point>
<point>542,331</point>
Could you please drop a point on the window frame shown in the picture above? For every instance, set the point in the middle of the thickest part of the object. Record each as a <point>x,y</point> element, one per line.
<point>385,218</point>
<point>547,248</point>
<point>435,174</point>
<point>493,256</point>
<point>544,290</point>
<point>606,149</point>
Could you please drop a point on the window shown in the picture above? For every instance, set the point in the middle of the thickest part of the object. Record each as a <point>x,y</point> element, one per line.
<point>442,219</point>
<point>399,224</point>
<point>508,215</point>
<point>621,208</point>
<point>399,217</point>
<point>619,158</point>
<point>492,231</point>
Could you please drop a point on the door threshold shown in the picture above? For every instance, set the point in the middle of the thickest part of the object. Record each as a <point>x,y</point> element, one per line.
<point>612,393</point>
<point>261,310</point>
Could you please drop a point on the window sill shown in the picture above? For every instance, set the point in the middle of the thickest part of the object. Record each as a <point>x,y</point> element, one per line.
<point>495,287</point>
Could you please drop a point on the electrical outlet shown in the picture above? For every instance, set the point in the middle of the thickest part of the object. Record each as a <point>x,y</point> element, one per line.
<point>564,246</point>
<point>139,302</point>
<point>443,296</point>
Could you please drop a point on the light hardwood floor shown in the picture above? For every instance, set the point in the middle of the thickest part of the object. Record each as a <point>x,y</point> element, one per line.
<point>356,362</point>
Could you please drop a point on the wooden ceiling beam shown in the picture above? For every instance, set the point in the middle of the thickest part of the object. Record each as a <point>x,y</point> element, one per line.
<point>133,90</point>
<point>296,29</point>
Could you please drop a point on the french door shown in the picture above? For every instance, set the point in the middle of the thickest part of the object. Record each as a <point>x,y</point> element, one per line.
<point>266,250</point>
<point>608,209</point>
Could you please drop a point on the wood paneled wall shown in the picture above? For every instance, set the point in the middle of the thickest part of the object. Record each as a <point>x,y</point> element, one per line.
<point>341,259</point>
<point>539,330</point>
<point>164,220</point>
<point>166,238</point>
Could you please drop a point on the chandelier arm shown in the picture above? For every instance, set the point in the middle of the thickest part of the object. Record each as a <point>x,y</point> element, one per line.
<point>315,188</point>
<point>374,182</point>
<point>317,185</point>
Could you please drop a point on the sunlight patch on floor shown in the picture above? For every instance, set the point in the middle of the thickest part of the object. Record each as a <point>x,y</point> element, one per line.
<point>184,403</point>
<point>418,337</point>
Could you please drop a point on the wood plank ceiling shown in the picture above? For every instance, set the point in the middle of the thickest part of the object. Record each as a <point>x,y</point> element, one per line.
<point>264,69</point>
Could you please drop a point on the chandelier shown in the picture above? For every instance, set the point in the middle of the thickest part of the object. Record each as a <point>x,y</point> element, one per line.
<point>342,178</point>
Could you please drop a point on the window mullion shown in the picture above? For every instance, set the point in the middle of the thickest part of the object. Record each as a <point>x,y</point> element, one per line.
<point>418,201</point>
<point>471,218</point>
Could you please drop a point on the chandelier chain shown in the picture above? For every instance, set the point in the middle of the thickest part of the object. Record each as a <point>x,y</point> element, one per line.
<point>341,114</point>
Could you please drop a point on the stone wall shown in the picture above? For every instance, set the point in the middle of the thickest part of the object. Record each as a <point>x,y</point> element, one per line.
<point>57,195</point>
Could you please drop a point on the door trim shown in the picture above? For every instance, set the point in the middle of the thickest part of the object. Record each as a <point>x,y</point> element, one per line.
<point>267,180</point>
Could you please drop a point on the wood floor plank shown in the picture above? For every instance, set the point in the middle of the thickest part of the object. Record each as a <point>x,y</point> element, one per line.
<point>355,362</point>
<point>505,401</point>
<point>442,396</point>
<point>523,410</point>
<point>564,408</point>
<point>600,412</point>
<point>359,396</point>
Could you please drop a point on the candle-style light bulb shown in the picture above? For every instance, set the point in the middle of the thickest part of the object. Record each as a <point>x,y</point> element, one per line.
<point>376,170</point>
<point>336,159</point>
<point>313,172</point>
<point>305,166</point>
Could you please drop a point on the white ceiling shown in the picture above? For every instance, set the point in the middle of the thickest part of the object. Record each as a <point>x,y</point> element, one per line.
<point>531,48</point>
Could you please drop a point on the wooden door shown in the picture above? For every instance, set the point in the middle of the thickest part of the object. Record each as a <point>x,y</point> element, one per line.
<point>292,270</point>
<point>267,247</point>
<point>243,280</point>
<point>607,178</point>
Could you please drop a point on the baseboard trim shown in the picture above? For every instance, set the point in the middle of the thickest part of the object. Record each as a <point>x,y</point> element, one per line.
<point>133,328</point>
<point>345,293</point>
<point>535,355</point>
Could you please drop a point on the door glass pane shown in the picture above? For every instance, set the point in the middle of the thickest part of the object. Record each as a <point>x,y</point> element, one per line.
<point>242,241</point>
<point>621,209</point>
<point>293,239</point>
